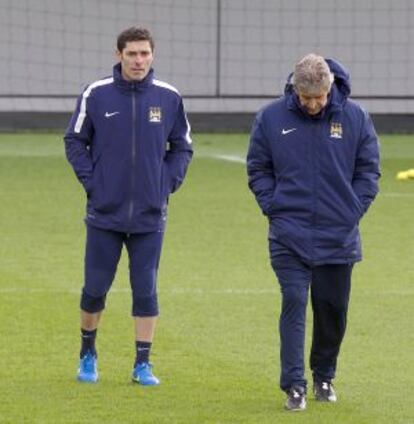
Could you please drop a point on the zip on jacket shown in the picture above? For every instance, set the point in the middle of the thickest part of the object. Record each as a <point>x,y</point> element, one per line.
<point>129,144</point>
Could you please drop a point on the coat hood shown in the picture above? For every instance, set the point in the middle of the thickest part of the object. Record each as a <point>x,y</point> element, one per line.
<point>342,79</point>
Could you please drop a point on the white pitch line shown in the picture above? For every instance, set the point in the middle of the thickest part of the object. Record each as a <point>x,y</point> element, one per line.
<point>178,290</point>
<point>395,194</point>
<point>230,158</point>
<point>238,159</point>
<point>225,157</point>
<point>34,154</point>
<point>196,291</point>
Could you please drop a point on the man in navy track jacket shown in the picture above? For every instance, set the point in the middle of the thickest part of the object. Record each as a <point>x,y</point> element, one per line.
<point>129,145</point>
<point>313,166</point>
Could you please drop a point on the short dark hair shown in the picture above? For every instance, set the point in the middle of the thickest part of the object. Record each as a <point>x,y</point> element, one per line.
<point>134,34</point>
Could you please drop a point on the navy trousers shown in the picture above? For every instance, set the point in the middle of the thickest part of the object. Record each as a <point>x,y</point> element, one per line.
<point>103,251</point>
<point>330,287</point>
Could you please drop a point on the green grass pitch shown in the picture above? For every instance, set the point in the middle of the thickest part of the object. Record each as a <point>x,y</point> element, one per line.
<point>217,348</point>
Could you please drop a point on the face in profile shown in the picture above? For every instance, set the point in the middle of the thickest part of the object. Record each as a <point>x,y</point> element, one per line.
<point>313,102</point>
<point>136,60</point>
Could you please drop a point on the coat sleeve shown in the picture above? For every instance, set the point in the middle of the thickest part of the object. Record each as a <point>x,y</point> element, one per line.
<point>260,172</point>
<point>180,151</point>
<point>367,165</point>
<point>77,139</point>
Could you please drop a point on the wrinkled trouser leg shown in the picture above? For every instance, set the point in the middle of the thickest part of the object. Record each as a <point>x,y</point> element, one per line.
<point>144,252</point>
<point>294,279</point>
<point>330,290</point>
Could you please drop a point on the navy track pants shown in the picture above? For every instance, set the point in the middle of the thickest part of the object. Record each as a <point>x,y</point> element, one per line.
<point>103,251</point>
<point>330,288</point>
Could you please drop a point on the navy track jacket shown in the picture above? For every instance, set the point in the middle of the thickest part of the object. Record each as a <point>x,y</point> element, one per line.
<point>315,177</point>
<point>129,145</point>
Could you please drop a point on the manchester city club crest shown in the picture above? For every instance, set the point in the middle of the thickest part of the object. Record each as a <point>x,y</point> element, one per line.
<point>336,130</point>
<point>154,114</point>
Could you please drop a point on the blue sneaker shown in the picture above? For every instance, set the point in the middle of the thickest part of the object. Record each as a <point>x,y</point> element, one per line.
<point>88,369</point>
<point>142,374</point>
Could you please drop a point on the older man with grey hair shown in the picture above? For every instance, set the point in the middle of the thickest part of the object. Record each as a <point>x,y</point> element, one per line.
<point>312,75</point>
<point>313,166</point>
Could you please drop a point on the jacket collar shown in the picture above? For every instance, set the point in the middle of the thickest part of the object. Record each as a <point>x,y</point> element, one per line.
<point>335,103</point>
<point>125,85</point>
<point>340,91</point>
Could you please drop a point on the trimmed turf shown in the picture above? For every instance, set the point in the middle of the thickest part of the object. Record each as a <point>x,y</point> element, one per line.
<point>216,348</point>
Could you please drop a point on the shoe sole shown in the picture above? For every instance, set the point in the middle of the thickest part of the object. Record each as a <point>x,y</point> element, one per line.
<point>137,381</point>
<point>295,409</point>
<point>325,400</point>
<point>90,381</point>
<point>87,380</point>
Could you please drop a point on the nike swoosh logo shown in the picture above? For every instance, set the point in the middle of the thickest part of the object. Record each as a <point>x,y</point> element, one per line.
<point>109,114</point>
<point>284,132</point>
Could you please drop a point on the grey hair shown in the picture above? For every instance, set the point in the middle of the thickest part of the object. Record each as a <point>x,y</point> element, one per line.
<point>312,75</point>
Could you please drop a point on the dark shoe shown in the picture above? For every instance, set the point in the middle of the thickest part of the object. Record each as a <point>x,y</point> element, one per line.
<point>324,391</point>
<point>296,399</point>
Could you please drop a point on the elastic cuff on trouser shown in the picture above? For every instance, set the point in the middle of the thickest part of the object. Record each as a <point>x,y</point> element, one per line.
<point>92,304</point>
<point>145,306</point>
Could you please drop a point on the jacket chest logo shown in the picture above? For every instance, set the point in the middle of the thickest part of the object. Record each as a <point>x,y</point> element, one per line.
<point>154,114</point>
<point>336,130</point>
